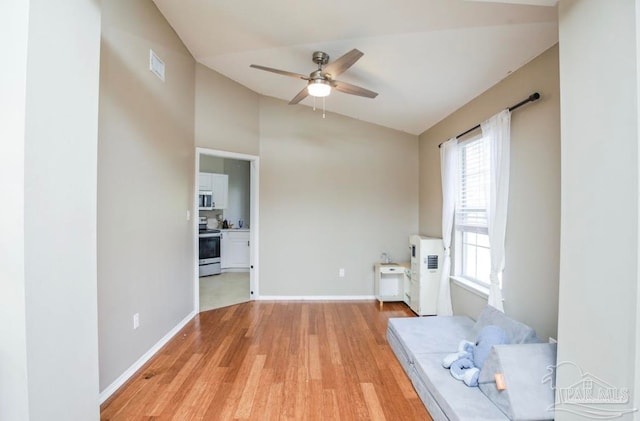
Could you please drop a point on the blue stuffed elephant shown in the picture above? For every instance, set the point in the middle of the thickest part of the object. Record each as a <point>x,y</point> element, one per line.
<point>466,364</point>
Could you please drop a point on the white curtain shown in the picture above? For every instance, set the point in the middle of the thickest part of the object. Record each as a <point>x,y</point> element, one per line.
<point>497,130</point>
<point>449,175</point>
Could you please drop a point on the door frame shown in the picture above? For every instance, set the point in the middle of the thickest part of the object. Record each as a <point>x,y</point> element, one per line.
<point>254,177</point>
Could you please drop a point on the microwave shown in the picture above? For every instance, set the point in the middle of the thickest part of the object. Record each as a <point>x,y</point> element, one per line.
<point>205,200</point>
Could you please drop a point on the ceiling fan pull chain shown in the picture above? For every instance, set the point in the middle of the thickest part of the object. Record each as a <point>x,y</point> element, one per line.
<point>323,107</point>
<point>314,103</point>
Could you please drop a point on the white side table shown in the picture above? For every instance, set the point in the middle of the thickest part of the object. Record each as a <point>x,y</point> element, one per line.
<point>389,282</point>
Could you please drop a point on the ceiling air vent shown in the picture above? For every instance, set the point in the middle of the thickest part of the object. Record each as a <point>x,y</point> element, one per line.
<point>156,65</point>
<point>432,261</point>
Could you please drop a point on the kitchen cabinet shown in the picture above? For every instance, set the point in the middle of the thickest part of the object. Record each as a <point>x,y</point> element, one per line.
<point>220,189</point>
<point>234,253</point>
<point>218,184</point>
<point>204,181</point>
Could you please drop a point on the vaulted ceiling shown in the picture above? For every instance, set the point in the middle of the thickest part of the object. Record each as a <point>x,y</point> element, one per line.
<point>425,58</point>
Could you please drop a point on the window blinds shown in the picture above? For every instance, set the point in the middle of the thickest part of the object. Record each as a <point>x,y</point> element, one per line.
<point>473,191</point>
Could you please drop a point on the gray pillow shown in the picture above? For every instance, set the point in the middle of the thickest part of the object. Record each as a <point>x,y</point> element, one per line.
<point>518,333</point>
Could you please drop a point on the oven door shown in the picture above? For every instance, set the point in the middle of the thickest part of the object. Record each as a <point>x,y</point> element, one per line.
<point>209,250</point>
<point>209,254</point>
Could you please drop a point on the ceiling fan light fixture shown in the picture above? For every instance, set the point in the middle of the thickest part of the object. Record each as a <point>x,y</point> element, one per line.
<point>319,88</point>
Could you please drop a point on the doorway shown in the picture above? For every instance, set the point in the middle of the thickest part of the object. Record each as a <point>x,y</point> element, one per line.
<point>238,281</point>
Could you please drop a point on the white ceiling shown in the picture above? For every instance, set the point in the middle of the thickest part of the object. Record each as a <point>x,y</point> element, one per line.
<point>425,58</point>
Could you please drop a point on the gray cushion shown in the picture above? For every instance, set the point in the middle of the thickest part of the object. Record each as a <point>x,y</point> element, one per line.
<point>518,333</point>
<point>431,334</point>
<point>402,353</point>
<point>406,360</point>
<point>426,396</point>
<point>524,367</point>
<point>457,400</point>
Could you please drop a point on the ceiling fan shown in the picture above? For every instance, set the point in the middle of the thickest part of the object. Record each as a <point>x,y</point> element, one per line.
<point>320,82</point>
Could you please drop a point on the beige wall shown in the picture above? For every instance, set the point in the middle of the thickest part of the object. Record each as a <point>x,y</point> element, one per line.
<point>377,212</point>
<point>212,164</point>
<point>334,193</point>
<point>239,199</point>
<point>598,322</point>
<point>533,229</point>
<point>146,170</point>
<point>226,116</point>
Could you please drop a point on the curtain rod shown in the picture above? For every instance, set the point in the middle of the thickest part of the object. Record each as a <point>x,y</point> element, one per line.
<point>533,97</point>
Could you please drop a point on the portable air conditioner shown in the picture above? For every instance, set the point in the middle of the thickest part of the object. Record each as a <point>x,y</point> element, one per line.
<point>427,254</point>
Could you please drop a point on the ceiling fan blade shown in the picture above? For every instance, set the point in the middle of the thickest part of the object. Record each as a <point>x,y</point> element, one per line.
<point>348,88</point>
<point>280,72</point>
<point>338,66</point>
<point>301,95</point>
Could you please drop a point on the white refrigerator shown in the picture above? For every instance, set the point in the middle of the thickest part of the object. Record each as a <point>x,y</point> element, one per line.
<point>426,266</point>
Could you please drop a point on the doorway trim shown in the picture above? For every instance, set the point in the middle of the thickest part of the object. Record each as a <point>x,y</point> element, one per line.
<point>254,177</point>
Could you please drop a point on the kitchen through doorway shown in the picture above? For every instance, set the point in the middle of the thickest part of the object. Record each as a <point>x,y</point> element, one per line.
<point>225,229</point>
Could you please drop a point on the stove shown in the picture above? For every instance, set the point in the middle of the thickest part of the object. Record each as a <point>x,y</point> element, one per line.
<point>209,252</point>
<point>208,231</point>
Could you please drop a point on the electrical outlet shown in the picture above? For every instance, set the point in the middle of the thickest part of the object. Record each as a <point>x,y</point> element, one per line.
<point>188,215</point>
<point>136,320</point>
<point>341,272</point>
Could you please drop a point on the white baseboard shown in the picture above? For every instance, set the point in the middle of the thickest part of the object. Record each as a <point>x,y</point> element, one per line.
<point>111,389</point>
<point>316,297</point>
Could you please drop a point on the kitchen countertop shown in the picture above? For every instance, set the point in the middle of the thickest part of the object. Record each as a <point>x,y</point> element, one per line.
<point>235,229</point>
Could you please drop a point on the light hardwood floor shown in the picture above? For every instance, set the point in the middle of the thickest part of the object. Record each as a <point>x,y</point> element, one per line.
<point>275,361</point>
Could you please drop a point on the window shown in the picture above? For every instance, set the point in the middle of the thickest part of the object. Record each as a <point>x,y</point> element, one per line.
<point>473,258</point>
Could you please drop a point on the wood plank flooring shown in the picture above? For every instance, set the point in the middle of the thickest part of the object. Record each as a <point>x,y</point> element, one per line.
<point>275,361</point>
